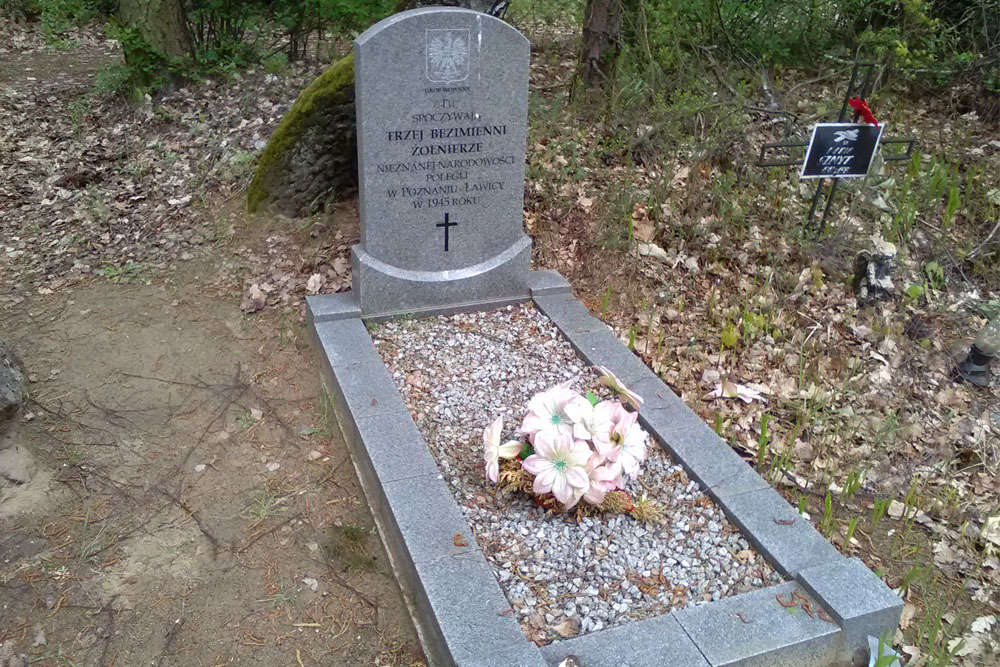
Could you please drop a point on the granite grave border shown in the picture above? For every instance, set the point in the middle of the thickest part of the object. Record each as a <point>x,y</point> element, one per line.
<point>459,610</point>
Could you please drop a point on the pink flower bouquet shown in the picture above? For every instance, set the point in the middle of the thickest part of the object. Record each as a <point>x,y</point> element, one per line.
<point>578,447</point>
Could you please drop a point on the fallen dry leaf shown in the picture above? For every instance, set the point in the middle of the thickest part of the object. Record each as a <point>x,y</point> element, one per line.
<point>314,284</point>
<point>254,300</point>
<point>568,627</point>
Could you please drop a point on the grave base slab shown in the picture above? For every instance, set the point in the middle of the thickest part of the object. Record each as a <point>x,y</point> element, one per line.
<point>458,608</point>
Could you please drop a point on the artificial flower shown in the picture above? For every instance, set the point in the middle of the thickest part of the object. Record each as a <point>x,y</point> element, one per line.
<point>495,451</point>
<point>603,476</point>
<point>611,381</point>
<point>629,444</point>
<point>547,410</point>
<point>559,465</point>
<point>591,422</point>
<point>603,444</point>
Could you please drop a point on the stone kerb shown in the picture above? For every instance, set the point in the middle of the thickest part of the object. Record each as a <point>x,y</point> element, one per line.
<point>461,614</point>
<point>442,126</point>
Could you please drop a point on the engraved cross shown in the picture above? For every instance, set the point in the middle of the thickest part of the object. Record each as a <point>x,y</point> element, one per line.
<point>446,226</point>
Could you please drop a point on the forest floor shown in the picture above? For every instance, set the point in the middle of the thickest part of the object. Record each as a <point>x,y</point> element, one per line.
<point>164,332</point>
<point>193,503</point>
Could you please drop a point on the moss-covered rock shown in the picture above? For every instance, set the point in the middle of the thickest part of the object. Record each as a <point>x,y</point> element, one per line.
<point>312,154</point>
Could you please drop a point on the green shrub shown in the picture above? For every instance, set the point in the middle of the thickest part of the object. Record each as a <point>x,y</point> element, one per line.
<point>58,16</point>
<point>673,43</point>
<point>115,81</point>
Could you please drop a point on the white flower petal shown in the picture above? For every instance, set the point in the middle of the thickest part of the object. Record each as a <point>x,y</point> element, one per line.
<point>579,409</point>
<point>545,442</point>
<point>577,477</point>
<point>536,464</point>
<point>545,479</point>
<point>510,449</point>
<point>491,435</point>
<point>561,488</point>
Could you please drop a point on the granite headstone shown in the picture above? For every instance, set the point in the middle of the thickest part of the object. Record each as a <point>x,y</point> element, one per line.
<point>442,99</point>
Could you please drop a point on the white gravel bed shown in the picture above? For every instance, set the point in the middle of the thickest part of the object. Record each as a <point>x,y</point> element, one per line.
<point>562,577</point>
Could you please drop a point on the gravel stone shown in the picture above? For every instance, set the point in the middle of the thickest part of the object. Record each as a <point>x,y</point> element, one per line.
<point>457,374</point>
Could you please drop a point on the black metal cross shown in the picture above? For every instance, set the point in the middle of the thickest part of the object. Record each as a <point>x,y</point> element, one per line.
<point>856,88</point>
<point>446,225</point>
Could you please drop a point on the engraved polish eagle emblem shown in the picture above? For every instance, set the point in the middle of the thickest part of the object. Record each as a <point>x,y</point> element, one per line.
<point>447,55</point>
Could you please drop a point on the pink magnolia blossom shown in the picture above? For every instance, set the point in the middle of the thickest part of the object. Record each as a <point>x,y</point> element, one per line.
<point>611,381</point>
<point>559,466</point>
<point>495,451</point>
<point>547,410</point>
<point>629,444</point>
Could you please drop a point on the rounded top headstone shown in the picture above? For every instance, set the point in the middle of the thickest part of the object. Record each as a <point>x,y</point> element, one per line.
<point>442,97</point>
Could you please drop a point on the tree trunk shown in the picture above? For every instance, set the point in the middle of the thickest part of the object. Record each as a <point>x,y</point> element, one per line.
<point>160,22</point>
<point>602,24</point>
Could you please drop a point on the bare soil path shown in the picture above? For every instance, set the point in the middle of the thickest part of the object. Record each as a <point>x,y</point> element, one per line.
<point>193,503</point>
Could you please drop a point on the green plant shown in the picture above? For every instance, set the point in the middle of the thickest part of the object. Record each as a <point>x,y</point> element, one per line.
<point>247,419</point>
<point>58,16</point>
<point>763,438</point>
<point>144,66</point>
<point>222,233</point>
<point>717,425</point>
<point>951,207</point>
<point>219,30</point>
<point>851,526</point>
<point>909,516</point>
<point>878,510</point>
<point>267,504</point>
<point>826,522</point>
<point>906,210</point>
<point>933,635</point>
<point>605,300</point>
<point>934,274</point>
<point>325,421</point>
<point>278,598</point>
<point>128,273</point>
<point>851,485</point>
<point>886,656</point>
<point>989,309</point>
<point>53,656</point>
<point>276,62</point>
<point>914,292</point>
<point>116,81</point>
<point>301,19</point>
<point>730,337</point>
<point>19,10</point>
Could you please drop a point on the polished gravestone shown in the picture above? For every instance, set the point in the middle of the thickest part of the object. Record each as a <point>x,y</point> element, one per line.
<point>442,105</point>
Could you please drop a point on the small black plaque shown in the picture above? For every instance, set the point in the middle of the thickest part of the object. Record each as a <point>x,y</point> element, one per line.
<point>841,150</point>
